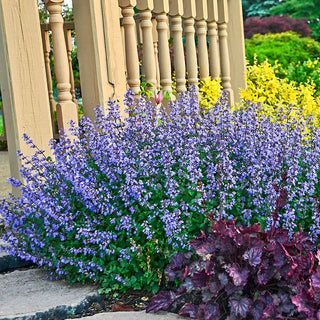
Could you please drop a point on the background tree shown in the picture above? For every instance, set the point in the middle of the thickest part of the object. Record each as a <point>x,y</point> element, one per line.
<point>301,9</point>
<point>257,8</point>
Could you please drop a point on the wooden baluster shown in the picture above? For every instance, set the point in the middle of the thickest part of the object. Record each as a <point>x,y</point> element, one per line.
<point>148,63</point>
<point>46,53</point>
<point>201,16</point>
<point>156,50</point>
<point>214,55</point>
<point>137,20</point>
<point>66,108</point>
<point>175,12</point>
<point>132,60</point>
<point>161,9</point>
<point>223,46</point>
<point>68,37</point>
<point>189,13</point>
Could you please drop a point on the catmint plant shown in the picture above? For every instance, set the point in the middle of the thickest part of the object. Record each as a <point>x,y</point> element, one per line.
<point>122,195</point>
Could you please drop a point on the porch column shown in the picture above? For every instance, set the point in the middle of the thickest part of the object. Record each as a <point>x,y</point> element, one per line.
<point>100,52</point>
<point>23,79</point>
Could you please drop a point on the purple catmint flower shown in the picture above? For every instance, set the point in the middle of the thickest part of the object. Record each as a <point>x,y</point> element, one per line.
<point>120,186</point>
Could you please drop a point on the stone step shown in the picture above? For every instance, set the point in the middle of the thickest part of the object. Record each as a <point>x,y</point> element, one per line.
<point>29,295</point>
<point>9,262</point>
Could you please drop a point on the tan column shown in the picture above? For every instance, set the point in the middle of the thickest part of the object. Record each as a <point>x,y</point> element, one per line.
<point>46,53</point>
<point>176,11</point>
<point>148,62</point>
<point>189,13</point>
<point>100,52</point>
<point>223,19</point>
<point>161,9</point>
<point>236,47</point>
<point>156,50</point>
<point>69,51</point>
<point>66,108</point>
<point>201,17</point>
<point>130,36</point>
<point>23,79</point>
<point>214,54</point>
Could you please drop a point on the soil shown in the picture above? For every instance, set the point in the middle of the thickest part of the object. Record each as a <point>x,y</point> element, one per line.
<point>130,301</point>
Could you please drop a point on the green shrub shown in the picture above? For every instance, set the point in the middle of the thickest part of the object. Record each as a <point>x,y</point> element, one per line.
<point>305,72</point>
<point>286,48</point>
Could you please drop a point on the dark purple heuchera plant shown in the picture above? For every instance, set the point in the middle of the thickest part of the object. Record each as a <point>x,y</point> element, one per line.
<point>244,273</point>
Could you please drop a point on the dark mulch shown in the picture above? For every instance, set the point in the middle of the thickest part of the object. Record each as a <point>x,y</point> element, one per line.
<point>130,301</point>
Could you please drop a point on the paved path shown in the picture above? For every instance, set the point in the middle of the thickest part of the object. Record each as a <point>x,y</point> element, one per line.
<point>29,295</point>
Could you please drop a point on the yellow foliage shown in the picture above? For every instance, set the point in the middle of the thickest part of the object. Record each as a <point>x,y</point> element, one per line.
<point>209,92</point>
<point>274,93</point>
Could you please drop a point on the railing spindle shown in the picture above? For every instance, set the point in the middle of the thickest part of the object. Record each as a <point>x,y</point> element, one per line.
<point>214,55</point>
<point>156,50</point>
<point>132,60</point>
<point>68,38</point>
<point>189,13</point>
<point>161,9</point>
<point>223,45</point>
<point>201,16</point>
<point>175,12</point>
<point>46,53</point>
<point>148,63</point>
<point>66,108</point>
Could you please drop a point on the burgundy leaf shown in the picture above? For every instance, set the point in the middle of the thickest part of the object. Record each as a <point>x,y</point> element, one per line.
<point>253,256</point>
<point>186,286</point>
<point>215,287</point>
<point>162,301</point>
<point>210,264</point>
<point>240,306</point>
<point>304,302</point>
<point>200,279</point>
<point>225,227</point>
<point>257,309</point>
<point>177,269</point>
<point>302,241</point>
<point>211,311</point>
<point>189,310</point>
<point>284,303</point>
<point>205,248</point>
<point>250,230</point>
<point>281,235</point>
<point>276,187</point>
<point>280,256</point>
<point>223,279</point>
<point>271,313</point>
<point>180,261</point>
<point>315,280</point>
<point>238,275</point>
<point>282,199</point>
<point>266,272</point>
<point>198,242</point>
<point>206,295</point>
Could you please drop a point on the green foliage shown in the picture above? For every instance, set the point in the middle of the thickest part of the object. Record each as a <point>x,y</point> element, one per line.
<point>301,9</point>
<point>257,8</point>
<point>305,72</point>
<point>286,48</point>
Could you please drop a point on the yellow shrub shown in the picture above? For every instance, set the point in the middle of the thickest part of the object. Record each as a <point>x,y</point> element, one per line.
<point>209,92</point>
<point>265,87</point>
